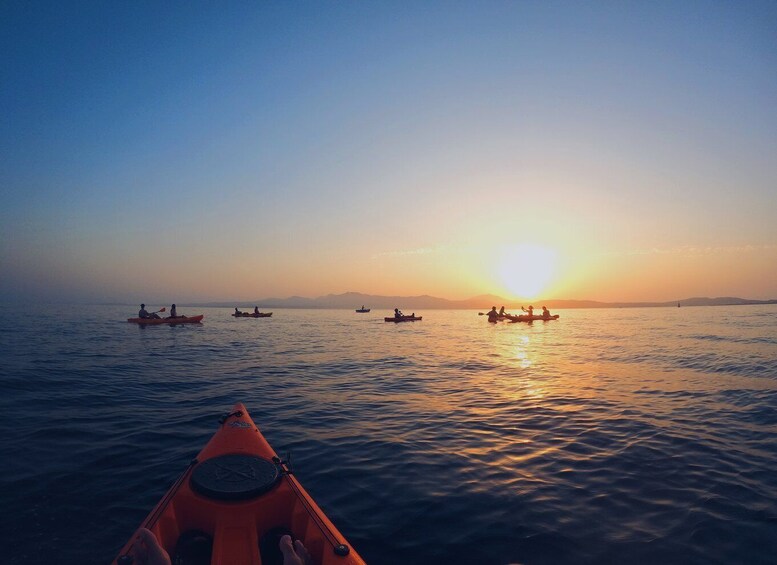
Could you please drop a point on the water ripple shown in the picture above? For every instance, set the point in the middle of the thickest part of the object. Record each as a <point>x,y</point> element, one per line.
<point>650,438</point>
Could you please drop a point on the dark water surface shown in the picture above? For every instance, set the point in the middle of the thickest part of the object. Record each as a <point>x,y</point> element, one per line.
<point>608,436</point>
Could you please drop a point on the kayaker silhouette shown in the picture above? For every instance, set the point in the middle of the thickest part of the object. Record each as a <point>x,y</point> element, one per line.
<point>143,313</point>
<point>174,313</point>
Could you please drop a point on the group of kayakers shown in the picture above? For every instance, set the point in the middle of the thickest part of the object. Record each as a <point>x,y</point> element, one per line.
<point>145,314</point>
<point>494,315</point>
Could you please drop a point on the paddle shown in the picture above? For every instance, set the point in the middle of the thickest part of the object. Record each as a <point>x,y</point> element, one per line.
<point>162,310</point>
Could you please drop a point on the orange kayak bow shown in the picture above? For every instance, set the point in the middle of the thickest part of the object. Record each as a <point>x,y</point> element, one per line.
<point>235,494</point>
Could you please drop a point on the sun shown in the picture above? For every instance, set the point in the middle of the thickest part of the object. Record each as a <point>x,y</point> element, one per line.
<point>526,269</point>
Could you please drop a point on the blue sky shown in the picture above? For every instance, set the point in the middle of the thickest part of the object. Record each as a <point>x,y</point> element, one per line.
<point>200,151</point>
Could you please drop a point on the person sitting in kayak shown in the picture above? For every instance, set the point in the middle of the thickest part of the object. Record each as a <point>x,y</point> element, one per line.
<point>502,311</point>
<point>545,313</point>
<point>238,312</point>
<point>143,313</point>
<point>256,310</point>
<point>493,315</point>
<point>174,314</point>
<point>530,310</point>
<point>150,552</point>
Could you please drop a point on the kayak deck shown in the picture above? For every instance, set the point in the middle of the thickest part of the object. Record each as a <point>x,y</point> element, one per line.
<point>171,321</point>
<point>238,492</point>
<point>404,319</point>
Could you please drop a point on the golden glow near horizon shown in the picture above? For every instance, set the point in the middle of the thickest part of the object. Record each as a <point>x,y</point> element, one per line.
<point>526,269</point>
<point>392,169</point>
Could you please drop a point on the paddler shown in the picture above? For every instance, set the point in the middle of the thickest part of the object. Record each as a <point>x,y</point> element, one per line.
<point>530,310</point>
<point>174,313</point>
<point>397,313</point>
<point>545,313</point>
<point>493,315</point>
<point>143,313</point>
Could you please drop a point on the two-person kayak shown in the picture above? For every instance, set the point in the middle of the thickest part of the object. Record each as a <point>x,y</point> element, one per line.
<point>527,318</point>
<point>403,319</point>
<point>233,503</point>
<point>159,321</point>
<point>253,315</point>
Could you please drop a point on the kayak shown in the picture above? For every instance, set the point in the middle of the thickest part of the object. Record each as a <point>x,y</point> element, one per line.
<point>362,310</point>
<point>171,321</point>
<point>253,315</point>
<point>234,502</point>
<point>404,319</point>
<point>527,318</point>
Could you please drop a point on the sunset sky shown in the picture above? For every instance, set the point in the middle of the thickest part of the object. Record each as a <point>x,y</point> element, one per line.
<point>179,152</point>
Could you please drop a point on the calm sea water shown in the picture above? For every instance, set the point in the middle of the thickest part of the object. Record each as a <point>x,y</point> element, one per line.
<point>608,436</point>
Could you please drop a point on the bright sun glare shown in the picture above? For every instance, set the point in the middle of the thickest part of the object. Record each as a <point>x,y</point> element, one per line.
<point>526,269</point>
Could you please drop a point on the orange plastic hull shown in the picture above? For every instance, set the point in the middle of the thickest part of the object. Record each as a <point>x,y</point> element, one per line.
<point>237,527</point>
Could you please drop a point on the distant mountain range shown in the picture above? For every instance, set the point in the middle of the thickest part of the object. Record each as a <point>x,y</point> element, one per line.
<point>352,300</point>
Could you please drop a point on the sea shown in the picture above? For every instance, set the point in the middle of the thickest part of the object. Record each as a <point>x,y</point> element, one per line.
<point>623,436</point>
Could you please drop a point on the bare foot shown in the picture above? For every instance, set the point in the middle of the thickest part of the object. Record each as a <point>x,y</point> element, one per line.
<point>148,551</point>
<point>293,554</point>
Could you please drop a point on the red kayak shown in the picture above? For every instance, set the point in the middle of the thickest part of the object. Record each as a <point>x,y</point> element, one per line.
<point>171,321</point>
<point>234,502</point>
<point>404,319</point>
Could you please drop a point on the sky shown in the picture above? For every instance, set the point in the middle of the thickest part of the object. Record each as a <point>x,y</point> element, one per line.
<point>615,151</point>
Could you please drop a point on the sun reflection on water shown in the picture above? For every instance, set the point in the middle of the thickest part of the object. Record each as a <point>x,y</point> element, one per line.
<point>522,352</point>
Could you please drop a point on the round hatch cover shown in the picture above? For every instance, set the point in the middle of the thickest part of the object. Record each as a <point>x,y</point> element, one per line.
<point>234,477</point>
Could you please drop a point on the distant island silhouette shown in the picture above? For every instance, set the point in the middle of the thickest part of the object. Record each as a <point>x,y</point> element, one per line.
<point>350,300</point>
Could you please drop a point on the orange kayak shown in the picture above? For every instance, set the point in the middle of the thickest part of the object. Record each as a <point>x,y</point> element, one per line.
<point>234,499</point>
<point>156,322</point>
